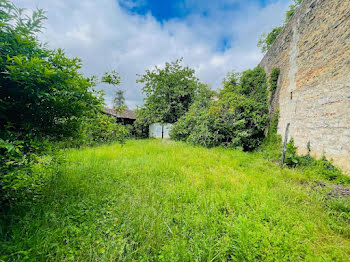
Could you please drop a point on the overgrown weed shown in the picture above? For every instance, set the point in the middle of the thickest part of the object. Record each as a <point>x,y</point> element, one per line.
<point>161,201</point>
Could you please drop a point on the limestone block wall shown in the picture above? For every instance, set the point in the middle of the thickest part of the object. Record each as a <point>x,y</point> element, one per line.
<point>313,94</point>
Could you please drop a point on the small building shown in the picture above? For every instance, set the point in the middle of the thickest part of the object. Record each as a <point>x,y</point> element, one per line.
<point>159,130</point>
<point>127,117</point>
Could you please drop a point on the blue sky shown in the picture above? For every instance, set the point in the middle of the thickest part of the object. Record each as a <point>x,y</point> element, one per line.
<point>164,10</point>
<point>213,36</point>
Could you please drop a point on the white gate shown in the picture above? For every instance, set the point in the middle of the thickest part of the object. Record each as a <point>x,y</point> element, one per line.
<point>158,130</point>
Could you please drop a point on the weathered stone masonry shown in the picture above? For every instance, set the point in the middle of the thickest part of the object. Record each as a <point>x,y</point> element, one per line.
<point>313,94</point>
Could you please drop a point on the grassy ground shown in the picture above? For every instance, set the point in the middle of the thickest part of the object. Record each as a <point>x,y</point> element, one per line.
<point>167,201</point>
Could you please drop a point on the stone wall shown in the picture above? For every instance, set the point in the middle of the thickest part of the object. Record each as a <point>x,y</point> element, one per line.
<point>313,94</point>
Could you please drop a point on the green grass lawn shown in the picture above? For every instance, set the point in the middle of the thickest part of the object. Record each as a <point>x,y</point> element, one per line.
<point>166,201</point>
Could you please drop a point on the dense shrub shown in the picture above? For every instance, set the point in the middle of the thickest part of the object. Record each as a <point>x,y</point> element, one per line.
<point>271,147</point>
<point>44,99</point>
<point>195,125</point>
<point>102,129</point>
<point>142,123</point>
<point>292,159</point>
<point>237,118</point>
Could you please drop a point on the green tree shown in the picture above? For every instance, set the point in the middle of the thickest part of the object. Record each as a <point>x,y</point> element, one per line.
<point>113,78</point>
<point>169,91</point>
<point>119,99</point>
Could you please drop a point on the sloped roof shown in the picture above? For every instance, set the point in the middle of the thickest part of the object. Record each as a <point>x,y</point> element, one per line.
<point>127,113</point>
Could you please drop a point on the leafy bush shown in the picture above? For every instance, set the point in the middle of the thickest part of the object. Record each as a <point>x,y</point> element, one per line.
<point>237,118</point>
<point>142,123</point>
<point>292,159</point>
<point>271,147</point>
<point>194,125</point>
<point>102,129</point>
<point>17,180</point>
<point>12,162</point>
<point>44,100</point>
<point>306,162</point>
<point>42,92</point>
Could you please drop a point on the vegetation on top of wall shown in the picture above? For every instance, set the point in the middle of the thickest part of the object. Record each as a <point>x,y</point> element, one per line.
<point>267,40</point>
<point>237,118</point>
<point>290,12</point>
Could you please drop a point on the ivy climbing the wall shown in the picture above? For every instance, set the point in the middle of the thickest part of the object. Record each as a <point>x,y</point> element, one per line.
<point>275,73</point>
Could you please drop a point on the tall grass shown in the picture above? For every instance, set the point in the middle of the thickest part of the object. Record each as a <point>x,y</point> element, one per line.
<point>164,201</point>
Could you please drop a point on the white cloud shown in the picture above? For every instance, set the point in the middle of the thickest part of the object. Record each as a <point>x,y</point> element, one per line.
<point>106,37</point>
